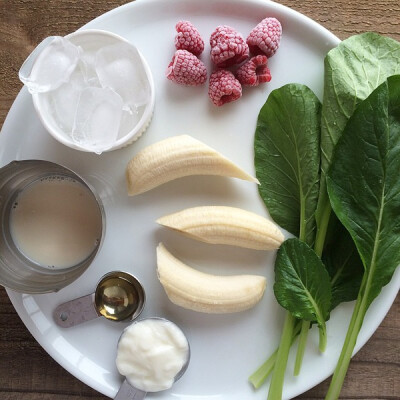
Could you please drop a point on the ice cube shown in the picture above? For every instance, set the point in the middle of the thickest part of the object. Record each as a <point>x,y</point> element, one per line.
<point>129,120</point>
<point>64,100</point>
<point>49,65</point>
<point>97,119</point>
<point>87,65</point>
<point>120,67</point>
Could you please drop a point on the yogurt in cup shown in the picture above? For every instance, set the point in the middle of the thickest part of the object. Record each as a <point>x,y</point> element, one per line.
<point>152,354</point>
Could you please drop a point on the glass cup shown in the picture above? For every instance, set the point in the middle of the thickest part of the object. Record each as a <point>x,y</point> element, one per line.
<point>19,270</point>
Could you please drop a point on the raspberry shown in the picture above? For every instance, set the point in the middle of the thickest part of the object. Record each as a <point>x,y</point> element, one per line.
<point>254,71</point>
<point>227,47</point>
<point>188,38</point>
<point>265,37</point>
<point>224,87</point>
<point>186,69</point>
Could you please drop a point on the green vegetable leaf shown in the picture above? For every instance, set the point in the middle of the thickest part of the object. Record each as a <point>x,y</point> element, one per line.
<point>353,69</point>
<point>364,189</point>
<point>287,158</point>
<point>344,265</point>
<point>302,284</point>
<point>364,184</point>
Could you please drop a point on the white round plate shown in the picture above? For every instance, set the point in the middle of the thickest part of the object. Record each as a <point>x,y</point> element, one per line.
<point>226,349</point>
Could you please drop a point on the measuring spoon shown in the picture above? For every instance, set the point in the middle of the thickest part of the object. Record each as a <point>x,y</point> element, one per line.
<point>119,296</point>
<point>128,391</point>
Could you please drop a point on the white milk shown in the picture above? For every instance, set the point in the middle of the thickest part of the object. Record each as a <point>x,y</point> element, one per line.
<point>151,353</point>
<point>56,222</point>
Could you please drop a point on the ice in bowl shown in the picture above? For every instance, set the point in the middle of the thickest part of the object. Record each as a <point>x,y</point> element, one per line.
<point>117,68</point>
<point>49,65</point>
<point>97,118</point>
<point>92,89</point>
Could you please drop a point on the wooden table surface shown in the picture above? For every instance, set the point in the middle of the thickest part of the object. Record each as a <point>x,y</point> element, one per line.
<point>26,371</point>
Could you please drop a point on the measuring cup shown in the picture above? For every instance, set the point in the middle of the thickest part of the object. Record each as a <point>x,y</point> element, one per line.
<point>18,270</point>
<point>128,391</point>
<point>119,296</point>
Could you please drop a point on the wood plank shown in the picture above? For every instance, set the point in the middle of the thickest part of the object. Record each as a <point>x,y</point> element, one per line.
<point>345,18</point>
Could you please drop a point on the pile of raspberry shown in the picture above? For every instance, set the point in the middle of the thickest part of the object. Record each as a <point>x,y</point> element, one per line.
<point>237,62</point>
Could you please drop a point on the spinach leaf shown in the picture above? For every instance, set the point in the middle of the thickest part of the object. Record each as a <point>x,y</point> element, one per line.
<point>364,185</point>
<point>287,158</point>
<point>353,69</point>
<point>302,284</point>
<point>287,162</point>
<point>364,189</point>
<point>343,264</point>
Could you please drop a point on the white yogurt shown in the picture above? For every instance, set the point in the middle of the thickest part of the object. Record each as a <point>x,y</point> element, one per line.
<point>151,353</point>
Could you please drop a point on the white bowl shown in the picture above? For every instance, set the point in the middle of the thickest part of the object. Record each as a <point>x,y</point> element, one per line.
<point>92,40</point>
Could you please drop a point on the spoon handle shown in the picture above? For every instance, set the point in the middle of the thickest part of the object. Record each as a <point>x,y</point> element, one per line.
<point>128,392</point>
<point>76,311</point>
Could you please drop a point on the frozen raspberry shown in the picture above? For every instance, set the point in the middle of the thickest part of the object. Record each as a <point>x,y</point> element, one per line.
<point>188,38</point>
<point>265,37</point>
<point>224,87</point>
<point>186,69</point>
<point>254,71</point>
<point>227,47</point>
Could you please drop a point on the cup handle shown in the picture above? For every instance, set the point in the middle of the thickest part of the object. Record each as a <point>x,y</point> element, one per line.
<point>128,392</point>
<point>76,311</point>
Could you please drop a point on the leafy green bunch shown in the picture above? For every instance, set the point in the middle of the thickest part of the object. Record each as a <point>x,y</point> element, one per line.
<point>329,175</point>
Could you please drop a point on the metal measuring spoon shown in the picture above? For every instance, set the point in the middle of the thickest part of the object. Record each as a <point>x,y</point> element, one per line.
<point>119,296</point>
<point>128,391</point>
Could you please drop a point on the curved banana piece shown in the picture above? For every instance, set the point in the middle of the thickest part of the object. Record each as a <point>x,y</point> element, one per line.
<point>174,158</point>
<point>226,225</point>
<point>195,290</point>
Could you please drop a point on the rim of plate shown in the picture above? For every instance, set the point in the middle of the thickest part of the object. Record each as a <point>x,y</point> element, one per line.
<point>367,332</point>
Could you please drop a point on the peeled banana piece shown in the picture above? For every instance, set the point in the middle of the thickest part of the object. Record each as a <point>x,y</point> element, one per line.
<point>226,225</point>
<point>176,157</point>
<point>198,291</point>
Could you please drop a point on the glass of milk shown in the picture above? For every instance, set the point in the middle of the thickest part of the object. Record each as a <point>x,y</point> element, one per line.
<point>51,227</point>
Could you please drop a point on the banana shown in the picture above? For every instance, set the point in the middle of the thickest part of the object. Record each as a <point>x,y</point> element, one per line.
<point>198,291</point>
<point>225,225</point>
<point>174,158</point>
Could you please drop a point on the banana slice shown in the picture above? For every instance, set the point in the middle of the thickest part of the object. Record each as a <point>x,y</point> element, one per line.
<point>174,158</point>
<point>225,225</point>
<point>195,290</point>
